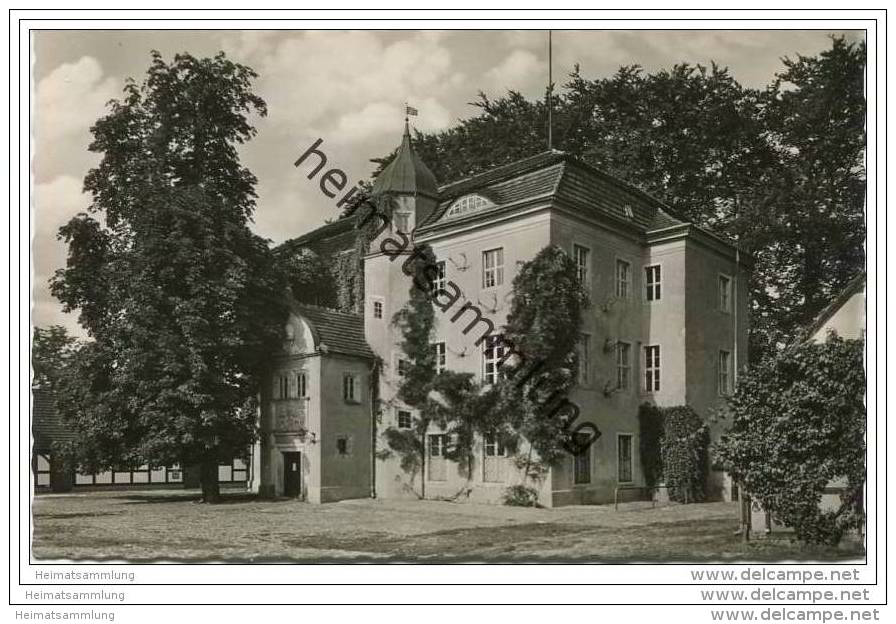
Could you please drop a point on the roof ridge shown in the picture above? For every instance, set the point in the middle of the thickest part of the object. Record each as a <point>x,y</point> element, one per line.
<point>508,169</point>
<point>301,305</point>
<point>837,301</point>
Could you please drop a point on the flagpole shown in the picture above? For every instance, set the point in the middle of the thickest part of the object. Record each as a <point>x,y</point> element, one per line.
<point>550,102</point>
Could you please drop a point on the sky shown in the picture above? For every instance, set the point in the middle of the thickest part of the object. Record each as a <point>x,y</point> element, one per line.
<point>345,87</point>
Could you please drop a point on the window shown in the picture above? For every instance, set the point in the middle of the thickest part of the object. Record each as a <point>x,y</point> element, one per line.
<point>438,445</point>
<point>437,462</point>
<point>404,419</point>
<point>652,278</point>
<point>582,461</point>
<point>377,309</point>
<point>440,356</point>
<point>438,282</point>
<point>623,278</point>
<point>281,387</point>
<point>493,447</point>
<point>343,445</point>
<point>492,268</point>
<point>623,365</point>
<point>724,293</point>
<point>42,470</point>
<point>724,373</point>
<point>492,358</point>
<point>240,469</point>
<point>624,457</point>
<point>494,464</point>
<point>301,385</point>
<point>582,257</point>
<point>402,221</point>
<point>584,359</point>
<point>351,390</point>
<point>467,205</point>
<point>404,367</point>
<point>652,368</point>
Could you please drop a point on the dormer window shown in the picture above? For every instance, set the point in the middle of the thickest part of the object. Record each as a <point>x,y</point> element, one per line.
<point>468,204</point>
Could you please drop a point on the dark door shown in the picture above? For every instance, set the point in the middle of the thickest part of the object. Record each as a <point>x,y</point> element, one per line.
<point>292,474</point>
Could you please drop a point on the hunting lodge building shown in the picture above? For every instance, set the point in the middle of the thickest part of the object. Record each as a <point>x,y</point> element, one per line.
<point>667,326</point>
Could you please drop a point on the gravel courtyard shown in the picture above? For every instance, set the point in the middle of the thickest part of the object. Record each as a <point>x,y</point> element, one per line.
<point>170,526</point>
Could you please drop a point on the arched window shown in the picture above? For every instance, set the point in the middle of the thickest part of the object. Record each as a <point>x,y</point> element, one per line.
<point>468,204</point>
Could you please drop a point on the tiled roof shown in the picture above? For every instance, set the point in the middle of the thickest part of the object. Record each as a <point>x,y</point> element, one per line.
<point>46,424</point>
<point>566,181</point>
<point>326,240</point>
<point>336,332</point>
<point>555,176</point>
<point>406,173</point>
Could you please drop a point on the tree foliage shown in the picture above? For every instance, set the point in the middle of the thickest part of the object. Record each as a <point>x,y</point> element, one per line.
<point>798,423</point>
<point>544,327</point>
<point>309,277</point>
<point>183,303</point>
<point>675,450</point>
<point>416,320</point>
<point>51,350</point>
<point>780,169</point>
<point>812,241</point>
<point>528,402</point>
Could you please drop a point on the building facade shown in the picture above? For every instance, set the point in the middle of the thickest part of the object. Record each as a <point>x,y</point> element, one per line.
<point>667,323</point>
<point>52,474</point>
<point>315,417</point>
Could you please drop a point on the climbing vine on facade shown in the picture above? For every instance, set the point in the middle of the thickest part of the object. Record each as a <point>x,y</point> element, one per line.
<point>675,450</point>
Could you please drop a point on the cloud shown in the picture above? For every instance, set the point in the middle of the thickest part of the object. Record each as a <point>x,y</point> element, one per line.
<point>378,119</point>
<point>335,77</point>
<point>71,98</point>
<point>520,71</point>
<point>55,203</point>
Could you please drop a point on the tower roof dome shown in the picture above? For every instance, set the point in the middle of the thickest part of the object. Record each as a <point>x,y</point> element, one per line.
<point>407,173</point>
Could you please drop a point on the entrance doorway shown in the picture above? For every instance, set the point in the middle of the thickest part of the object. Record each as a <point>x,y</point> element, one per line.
<point>292,474</point>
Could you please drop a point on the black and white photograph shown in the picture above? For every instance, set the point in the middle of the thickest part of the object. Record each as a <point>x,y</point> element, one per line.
<point>576,293</point>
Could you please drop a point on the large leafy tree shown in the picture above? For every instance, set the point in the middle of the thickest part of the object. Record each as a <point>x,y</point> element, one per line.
<point>809,237</point>
<point>798,423</point>
<point>183,303</point>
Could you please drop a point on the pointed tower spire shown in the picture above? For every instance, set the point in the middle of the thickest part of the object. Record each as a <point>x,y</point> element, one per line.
<point>407,174</point>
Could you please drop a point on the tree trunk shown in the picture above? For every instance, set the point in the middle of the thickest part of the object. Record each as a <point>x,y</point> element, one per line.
<point>208,480</point>
<point>423,467</point>
<point>528,465</point>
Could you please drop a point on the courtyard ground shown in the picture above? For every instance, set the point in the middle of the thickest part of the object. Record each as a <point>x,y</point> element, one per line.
<point>169,525</point>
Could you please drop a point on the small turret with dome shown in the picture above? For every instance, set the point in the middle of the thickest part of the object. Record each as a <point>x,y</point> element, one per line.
<point>409,183</point>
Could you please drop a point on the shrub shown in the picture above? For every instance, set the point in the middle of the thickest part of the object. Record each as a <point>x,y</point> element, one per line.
<point>521,496</point>
<point>799,423</point>
<point>674,443</point>
<point>685,451</point>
